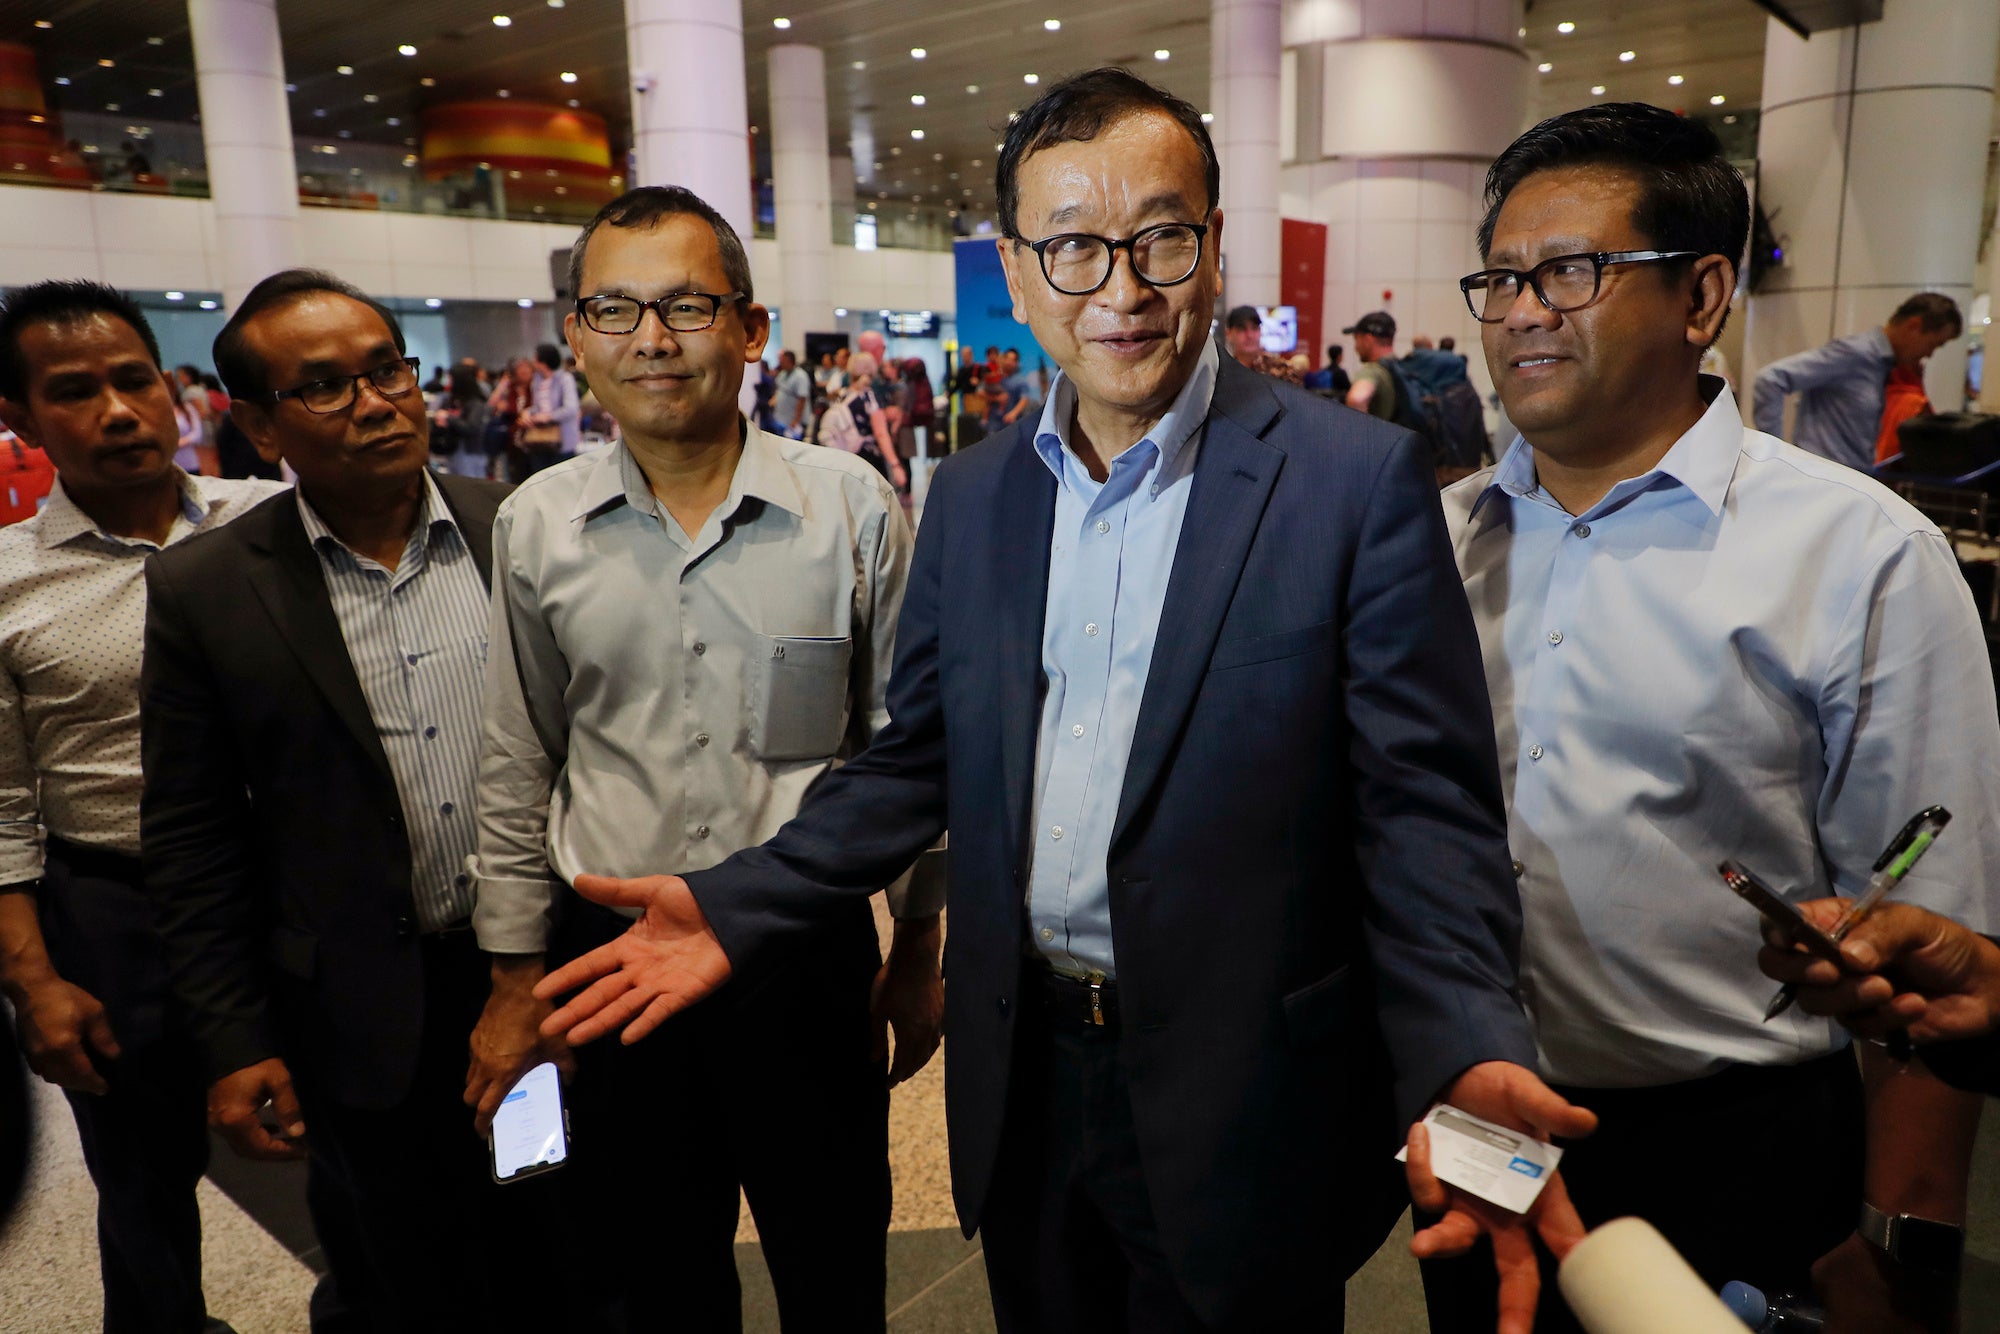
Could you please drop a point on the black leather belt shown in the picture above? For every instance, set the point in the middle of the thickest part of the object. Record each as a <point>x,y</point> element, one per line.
<point>1075,1001</point>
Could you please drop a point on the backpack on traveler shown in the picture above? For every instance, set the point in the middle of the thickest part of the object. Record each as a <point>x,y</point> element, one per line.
<point>838,429</point>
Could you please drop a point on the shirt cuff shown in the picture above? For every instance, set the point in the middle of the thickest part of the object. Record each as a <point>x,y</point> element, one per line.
<point>511,916</point>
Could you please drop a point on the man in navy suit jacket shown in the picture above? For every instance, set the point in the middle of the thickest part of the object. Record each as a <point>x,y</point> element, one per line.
<point>1186,669</point>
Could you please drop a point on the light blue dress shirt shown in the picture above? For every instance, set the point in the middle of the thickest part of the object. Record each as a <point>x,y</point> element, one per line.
<point>1840,387</point>
<point>1110,559</point>
<point>1747,652</point>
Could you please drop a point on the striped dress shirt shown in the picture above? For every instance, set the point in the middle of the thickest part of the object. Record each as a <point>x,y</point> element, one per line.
<point>417,639</point>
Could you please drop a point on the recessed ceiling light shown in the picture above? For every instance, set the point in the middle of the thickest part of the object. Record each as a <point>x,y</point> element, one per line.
<point>62,82</point>
<point>371,98</point>
<point>1565,28</point>
<point>569,76</point>
<point>859,64</point>
<point>1627,57</point>
<point>111,106</point>
<point>154,92</point>
<point>208,305</point>
<point>1162,54</point>
<point>343,69</point>
<point>502,92</point>
<point>1597,90</point>
<point>918,134</point>
<point>156,41</point>
<point>1545,67</point>
<point>290,87</point>
<point>177,296</point>
<point>894,152</point>
<point>1031,78</point>
<point>106,63</point>
<point>781,23</point>
<point>918,53</point>
<point>1053,25</point>
<point>526,302</point>
<point>1676,80</point>
<point>555,4</point>
<point>573,102</point>
<point>428,82</point>
<point>433,302</point>
<point>44,23</point>
<point>1729,120</point>
<point>1208,118</point>
<point>971,87</point>
<point>394,121</point>
<point>502,21</point>
<point>998,148</point>
<point>975,162</point>
<point>840,310</point>
<point>406,50</point>
<point>319,111</point>
<point>1715,101</point>
<point>916,99</point>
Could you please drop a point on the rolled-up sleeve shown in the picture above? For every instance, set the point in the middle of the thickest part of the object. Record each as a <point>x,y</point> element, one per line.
<point>522,747</point>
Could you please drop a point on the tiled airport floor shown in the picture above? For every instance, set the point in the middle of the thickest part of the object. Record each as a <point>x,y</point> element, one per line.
<point>260,1259</point>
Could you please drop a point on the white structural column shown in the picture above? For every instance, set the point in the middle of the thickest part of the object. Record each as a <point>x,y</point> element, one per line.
<point>1243,91</point>
<point>246,128</point>
<point>1872,168</point>
<point>1397,111</point>
<point>801,183</point>
<point>690,111</point>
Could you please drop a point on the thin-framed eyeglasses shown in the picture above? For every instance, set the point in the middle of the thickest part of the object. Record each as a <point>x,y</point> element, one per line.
<point>681,312</point>
<point>334,393</point>
<point>1563,284</point>
<point>1078,263</point>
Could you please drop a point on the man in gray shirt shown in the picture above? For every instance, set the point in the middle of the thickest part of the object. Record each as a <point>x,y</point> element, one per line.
<point>791,403</point>
<point>1840,385</point>
<point>690,629</point>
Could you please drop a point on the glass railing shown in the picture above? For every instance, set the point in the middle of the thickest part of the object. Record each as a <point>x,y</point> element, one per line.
<point>107,152</point>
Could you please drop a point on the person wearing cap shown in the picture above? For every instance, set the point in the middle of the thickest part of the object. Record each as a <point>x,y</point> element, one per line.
<point>1243,328</point>
<point>1373,390</point>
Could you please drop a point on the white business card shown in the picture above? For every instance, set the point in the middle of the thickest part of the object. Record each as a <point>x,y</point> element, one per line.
<point>1507,1167</point>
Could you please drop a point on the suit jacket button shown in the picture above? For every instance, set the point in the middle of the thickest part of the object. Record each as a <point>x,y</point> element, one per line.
<point>1003,1005</point>
<point>405,928</point>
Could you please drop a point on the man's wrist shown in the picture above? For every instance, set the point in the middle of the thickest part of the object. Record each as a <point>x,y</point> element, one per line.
<point>517,972</point>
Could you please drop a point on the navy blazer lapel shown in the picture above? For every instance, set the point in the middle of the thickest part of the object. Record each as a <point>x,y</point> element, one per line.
<point>1025,523</point>
<point>289,583</point>
<point>1233,476</point>
<point>475,527</point>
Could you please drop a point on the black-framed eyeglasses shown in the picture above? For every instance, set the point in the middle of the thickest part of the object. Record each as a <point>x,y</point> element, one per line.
<point>1563,284</point>
<point>680,312</point>
<point>392,379</point>
<point>1078,263</point>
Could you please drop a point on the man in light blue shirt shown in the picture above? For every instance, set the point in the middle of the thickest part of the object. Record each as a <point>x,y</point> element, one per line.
<point>1841,385</point>
<point>1702,643</point>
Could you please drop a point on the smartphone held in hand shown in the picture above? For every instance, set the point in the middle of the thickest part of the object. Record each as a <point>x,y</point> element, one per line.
<point>531,1129</point>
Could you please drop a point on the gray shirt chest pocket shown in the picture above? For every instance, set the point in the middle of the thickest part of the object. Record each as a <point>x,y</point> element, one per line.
<point>798,697</point>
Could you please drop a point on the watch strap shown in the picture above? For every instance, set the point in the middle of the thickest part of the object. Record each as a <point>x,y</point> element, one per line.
<point>1928,1240</point>
<point>1875,1230</point>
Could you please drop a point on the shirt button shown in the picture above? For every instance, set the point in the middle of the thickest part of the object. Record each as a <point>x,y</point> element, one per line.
<point>1555,637</point>
<point>1534,752</point>
<point>699,648</point>
<point>1090,629</point>
<point>445,809</point>
<point>1048,934</point>
<point>1076,730</point>
<point>701,739</point>
<point>701,831</point>
<point>462,881</point>
<point>410,658</point>
<point>1104,525</point>
<point>430,733</point>
<point>1581,530</point>
<point>1056,833</point>
<point>1519,870</point>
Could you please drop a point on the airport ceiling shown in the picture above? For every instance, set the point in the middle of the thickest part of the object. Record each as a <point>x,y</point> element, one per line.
<point>135,56</point>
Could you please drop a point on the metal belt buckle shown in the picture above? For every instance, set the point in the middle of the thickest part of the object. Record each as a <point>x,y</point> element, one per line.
<point>1097,998</point>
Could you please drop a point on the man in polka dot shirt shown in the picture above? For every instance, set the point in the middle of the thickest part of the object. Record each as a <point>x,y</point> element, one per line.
<point>79,958</point>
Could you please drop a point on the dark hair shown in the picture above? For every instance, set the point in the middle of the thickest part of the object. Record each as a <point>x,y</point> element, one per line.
<point>190,370</point>
<point>1933,311</point>
<point>1077,110</point>
<point>548,356</point>
<point>1243,317</point>
<point>1689,197</point>
<point>465,383</point>
<point>246,376</point>
<point>647,207</point>
<point>1333,352</point>
<point>60,301</point>
<point>1447,344</point>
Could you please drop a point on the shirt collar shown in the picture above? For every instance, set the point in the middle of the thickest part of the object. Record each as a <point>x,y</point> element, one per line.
<point>761,472</point>
<point>1703,460</point>
<point>63,520</point>
<point>433,515</point>
<point>1877,341</point>
<point>1169,435</point>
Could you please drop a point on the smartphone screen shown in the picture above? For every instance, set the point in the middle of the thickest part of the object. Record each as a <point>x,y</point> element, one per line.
<point>530,1132</point>
<point>1779,911</point>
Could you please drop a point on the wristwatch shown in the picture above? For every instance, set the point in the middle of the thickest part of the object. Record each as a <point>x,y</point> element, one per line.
<point>1923,1245</point>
